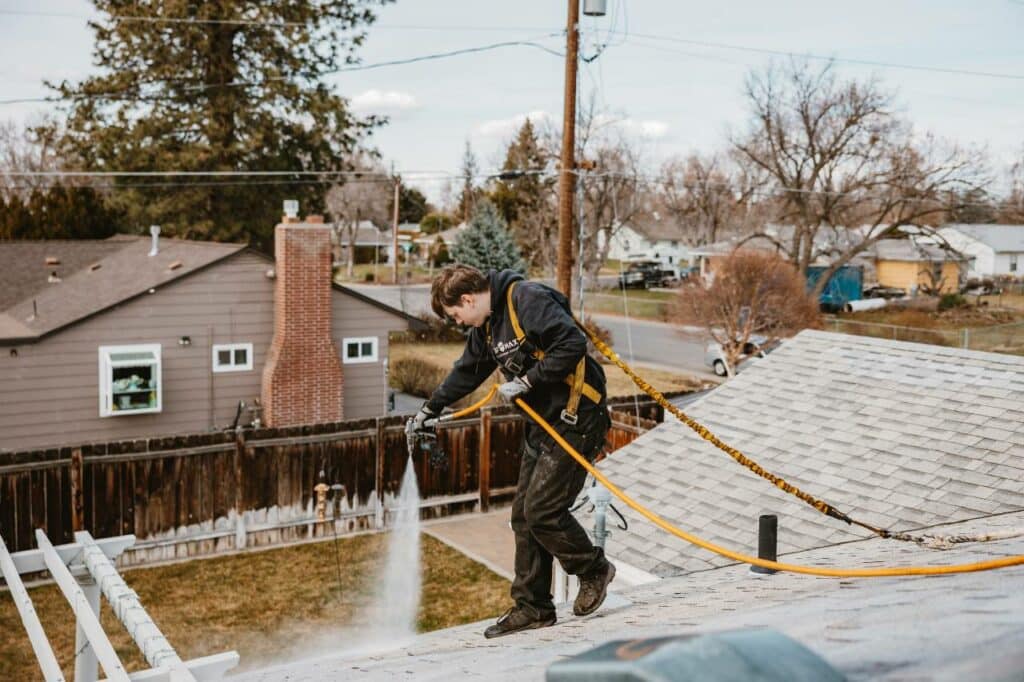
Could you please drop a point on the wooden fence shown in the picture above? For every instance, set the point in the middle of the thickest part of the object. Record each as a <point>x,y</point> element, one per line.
<point>206,493</point>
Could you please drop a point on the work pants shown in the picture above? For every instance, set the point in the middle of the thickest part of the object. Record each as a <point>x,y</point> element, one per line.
<point>549,481</point>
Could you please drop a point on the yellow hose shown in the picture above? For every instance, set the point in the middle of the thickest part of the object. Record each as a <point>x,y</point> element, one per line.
<point>793,568</point>
<point>474,407</point>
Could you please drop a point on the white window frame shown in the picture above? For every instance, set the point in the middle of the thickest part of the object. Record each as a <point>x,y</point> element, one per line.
<point>1013,262</point>
<point>107,366</point>
<point>232,347</point>
<point>362,359</point>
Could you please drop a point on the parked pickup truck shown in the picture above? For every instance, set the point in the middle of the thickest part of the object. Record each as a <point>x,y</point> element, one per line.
<point>647,275</point>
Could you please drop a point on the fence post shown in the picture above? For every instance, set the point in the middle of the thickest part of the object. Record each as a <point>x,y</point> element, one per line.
<point>240,533</point>
<point>77,492</point>
<point>965,335</point>
<point>379,472</point>
<point>484,467</point>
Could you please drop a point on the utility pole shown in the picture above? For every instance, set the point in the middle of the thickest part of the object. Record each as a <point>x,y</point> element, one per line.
<point>566,176</point>
<point>394,228</point>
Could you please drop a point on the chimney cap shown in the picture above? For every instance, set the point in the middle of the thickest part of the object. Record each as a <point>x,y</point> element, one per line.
<point>291,208</point>
<point>315,219</point>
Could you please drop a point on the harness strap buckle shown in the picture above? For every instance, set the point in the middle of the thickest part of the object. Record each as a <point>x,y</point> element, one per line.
<point>569,418</point>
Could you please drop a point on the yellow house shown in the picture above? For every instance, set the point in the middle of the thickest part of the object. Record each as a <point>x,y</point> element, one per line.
<point>912,266</point>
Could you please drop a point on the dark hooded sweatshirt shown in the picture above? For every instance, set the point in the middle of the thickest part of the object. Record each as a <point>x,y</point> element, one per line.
<point>544,317</point>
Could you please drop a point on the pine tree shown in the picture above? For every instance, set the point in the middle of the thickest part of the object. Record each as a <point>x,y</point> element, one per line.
<point>470,192</point>
<point>526,201</point>
<point>486,243</point>
<point>237,86</point>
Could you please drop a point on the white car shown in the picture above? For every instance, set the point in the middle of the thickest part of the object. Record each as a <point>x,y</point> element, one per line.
<point>715,358</point>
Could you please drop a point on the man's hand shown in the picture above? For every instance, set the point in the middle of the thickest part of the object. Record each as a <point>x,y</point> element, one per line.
<point>419,422</point>
<point>510,390</point>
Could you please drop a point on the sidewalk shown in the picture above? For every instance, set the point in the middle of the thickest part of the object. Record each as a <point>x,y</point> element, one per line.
<point>484,538</point>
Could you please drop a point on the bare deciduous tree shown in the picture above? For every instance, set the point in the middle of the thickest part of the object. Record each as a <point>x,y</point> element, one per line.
<point>369,197</point>
<point>613,191</point>
<point>753,293</point>
<point>846,171</point>
<point>1013,209</point>
<point>24,149</point>
<point>709,197</point>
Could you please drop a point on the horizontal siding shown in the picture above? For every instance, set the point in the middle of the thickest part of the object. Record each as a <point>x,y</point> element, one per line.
<point>365,384</point>
<point>49,393</point>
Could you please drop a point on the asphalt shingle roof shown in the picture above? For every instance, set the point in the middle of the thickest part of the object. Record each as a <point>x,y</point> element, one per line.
<point>900,435</point>
<point>957,627</point>
<point>23,269</point>
<point>123,272</point>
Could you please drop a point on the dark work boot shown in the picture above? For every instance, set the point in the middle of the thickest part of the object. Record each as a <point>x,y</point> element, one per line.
<point>593,590</point>
<point>517,620</point>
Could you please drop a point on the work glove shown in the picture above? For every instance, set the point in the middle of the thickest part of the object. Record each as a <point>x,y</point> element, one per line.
<point>510,390</point>
<point>419,422</point>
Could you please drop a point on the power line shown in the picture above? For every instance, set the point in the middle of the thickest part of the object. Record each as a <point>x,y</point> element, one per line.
<point>256,22</point>
<point>287,178</point>
<point>117,96</point>
<point>808,55</point>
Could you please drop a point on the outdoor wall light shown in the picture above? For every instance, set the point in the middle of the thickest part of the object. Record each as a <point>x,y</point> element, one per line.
<point>185,341</point>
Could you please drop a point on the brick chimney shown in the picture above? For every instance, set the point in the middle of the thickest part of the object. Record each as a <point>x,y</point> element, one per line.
<point>302,379</point>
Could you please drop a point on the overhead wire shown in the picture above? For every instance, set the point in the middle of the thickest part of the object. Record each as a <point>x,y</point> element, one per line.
<point>818,57</point>
<point>643,179</point>
<point>119,94</point>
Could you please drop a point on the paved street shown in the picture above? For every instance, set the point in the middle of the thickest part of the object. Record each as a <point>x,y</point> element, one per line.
<point>646,342</point>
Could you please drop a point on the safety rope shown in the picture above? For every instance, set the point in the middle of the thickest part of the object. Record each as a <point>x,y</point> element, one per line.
<point>891,571</point>
<point>755,561</point>
<point>925,540</point>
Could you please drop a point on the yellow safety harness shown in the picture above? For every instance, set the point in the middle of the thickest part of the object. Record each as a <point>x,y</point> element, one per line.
<point>577,384</point>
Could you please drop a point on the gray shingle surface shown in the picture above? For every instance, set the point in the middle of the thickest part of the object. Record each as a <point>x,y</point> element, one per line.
<point>957,627</point>
<point>896,434</point>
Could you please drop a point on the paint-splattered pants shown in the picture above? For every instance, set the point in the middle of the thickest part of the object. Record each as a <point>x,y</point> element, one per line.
<point>549,481</point>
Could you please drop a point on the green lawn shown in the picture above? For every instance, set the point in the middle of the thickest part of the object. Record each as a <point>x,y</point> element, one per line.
<point>261,604</point>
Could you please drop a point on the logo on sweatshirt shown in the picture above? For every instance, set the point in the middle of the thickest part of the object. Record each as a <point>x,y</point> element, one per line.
<point>504,347</point>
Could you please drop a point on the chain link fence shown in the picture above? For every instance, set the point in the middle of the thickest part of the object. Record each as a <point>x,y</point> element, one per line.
<point>1001,338</point>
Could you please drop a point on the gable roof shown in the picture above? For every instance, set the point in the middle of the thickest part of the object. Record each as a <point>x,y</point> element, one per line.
<point>123,272</point>
<point>899,435</point>
<point>1001,238</point>
<point>655,228</point>
<point>909,250</point>
<point>23,269</point>
<point>126,271</point>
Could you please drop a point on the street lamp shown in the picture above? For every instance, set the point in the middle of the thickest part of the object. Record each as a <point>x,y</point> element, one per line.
<point>595,8</point>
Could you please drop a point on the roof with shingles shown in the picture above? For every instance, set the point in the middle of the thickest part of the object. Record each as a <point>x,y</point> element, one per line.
<point>899,435</point>
<point>958,627</point>
<point>23,268</point>
<point>122,274</point>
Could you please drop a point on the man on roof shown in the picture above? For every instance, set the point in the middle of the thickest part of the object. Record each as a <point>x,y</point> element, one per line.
<point>527,330</point>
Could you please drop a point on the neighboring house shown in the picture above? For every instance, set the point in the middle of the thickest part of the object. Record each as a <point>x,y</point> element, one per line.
<point>899,435</point>
<point>996,249</point>
<point>424,242</point>
<point>101,340</point>
<point>904,263</point>
<point>652,238</point>
<point>911,265</point>
<point>367,237</point>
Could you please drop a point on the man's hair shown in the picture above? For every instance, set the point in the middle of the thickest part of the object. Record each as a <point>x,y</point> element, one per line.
<point>452,283</point>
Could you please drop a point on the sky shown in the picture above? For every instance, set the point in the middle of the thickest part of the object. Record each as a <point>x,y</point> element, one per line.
<point>660,76</point>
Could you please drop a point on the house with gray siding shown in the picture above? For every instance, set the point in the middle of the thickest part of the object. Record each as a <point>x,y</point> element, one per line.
<point>133,338</point>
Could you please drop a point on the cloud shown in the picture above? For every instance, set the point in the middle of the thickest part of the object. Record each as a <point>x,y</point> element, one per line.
<point>381,101</point>
<point>506,127</point>
<point>649,129</point>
